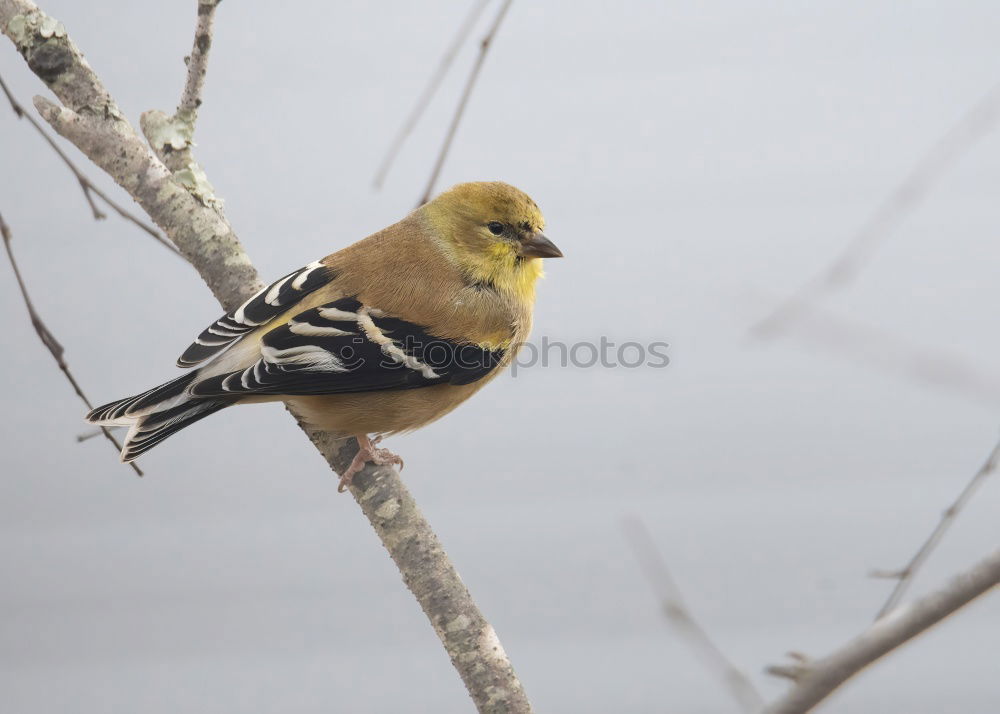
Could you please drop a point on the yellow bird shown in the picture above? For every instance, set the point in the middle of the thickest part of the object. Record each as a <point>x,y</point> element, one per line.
<point>381,337</point>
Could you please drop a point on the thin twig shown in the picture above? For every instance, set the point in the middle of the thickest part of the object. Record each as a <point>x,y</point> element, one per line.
<point>429,90</point>
<point>905,576</point>
<point>91,433</point>
<point>86,185</point>
<point>887,217</point>
<point>816,679</point>
<point>46,336</point>
<point>197,62</point>
<point>484,47</point>
<point>655,568</point>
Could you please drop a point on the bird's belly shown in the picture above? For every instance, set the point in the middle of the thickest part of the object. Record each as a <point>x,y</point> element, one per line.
<point>381,412</point>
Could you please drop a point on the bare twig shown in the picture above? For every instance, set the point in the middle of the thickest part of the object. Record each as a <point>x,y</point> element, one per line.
<point>902,201</point>
<point>89,189</point>
<point>484,47</point>
<point>816,679</point>
<point>429,90</point>
<point>45,335</point>
<point>90,118</point>
<point>655,568</point>
<point>905,576</point>
<point>91,433</point>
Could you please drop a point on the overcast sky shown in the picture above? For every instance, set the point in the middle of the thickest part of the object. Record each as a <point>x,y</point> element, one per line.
<point>695,162</point>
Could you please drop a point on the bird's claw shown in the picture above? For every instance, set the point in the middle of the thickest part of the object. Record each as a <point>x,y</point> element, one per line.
<point>367,453</point>
<point>384,456</point>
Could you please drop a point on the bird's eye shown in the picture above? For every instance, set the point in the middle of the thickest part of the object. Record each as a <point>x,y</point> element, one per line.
<point>496,227</point>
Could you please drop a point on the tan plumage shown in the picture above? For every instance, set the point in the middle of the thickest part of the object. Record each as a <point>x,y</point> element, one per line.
<point>349,342</point>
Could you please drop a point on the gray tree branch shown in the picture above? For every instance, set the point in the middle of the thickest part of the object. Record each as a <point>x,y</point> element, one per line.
<point>197,61</point>
<point>172,137</point>
<point>90,119</point>
<point>816,679</point>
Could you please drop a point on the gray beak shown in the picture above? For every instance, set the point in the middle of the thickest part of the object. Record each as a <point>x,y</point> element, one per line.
<point>538,246</point>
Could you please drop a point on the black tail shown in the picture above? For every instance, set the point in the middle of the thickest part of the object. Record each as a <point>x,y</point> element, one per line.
<point>125,411</point>
<point>148,431</point>
<point>154,415</point>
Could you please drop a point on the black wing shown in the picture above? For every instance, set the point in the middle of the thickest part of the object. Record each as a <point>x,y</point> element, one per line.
<point>345,347</point>
<point>263,307</point>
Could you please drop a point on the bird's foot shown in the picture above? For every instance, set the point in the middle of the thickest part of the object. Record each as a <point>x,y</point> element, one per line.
<point>367,453</point>
<point>384,456</point>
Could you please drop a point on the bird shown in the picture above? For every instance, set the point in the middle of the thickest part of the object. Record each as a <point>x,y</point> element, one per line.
<point>382,337</point>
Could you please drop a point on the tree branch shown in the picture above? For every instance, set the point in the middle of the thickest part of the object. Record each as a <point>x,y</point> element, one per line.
<point>92,121</point>
<point>471,642</point>
<point>905,576</point>
<point>197,62</point>
<point>86,185</point>
<point>815,680</point>
<point>676,611</point>
<point>484,47</point>
<point>429,91</point>
<point>48,339</point>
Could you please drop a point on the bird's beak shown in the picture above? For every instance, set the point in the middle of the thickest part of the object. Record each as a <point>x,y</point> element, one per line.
<point>538,246</point>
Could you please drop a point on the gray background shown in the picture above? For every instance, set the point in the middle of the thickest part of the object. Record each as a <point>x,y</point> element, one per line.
<point>695,161</point>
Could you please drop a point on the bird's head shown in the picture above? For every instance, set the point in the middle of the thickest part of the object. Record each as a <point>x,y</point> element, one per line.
<point>493,232</point>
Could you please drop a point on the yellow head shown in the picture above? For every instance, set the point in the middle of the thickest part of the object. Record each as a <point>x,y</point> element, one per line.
<point>493,232</point>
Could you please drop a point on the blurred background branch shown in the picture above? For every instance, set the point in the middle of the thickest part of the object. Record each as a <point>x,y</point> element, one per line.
<point>888,353</point>
<point>477,66</point>
<point>654,567</point>
<point>906,574</point>
<point>975,124</point>
<point>429,91</point>
<point>817,679</point>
